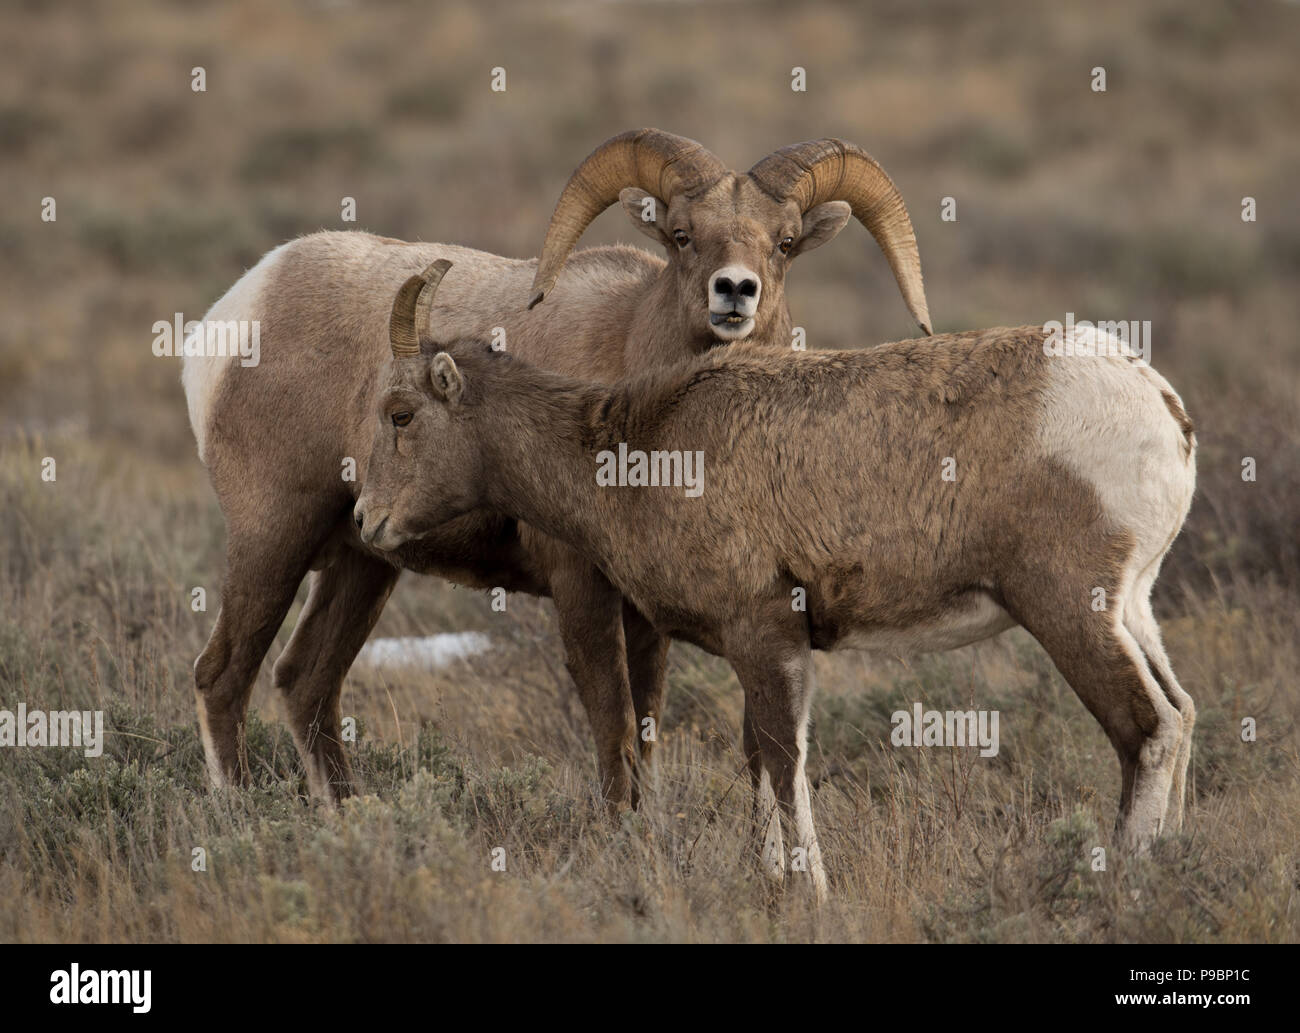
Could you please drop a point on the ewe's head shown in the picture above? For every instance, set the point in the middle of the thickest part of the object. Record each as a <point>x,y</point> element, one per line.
<point>424,461</point>
<point>730,237</point>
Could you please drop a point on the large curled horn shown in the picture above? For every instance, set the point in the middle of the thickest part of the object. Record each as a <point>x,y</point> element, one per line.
<point>657,162</point>
<point>411,310</point>
<point>818,171</point>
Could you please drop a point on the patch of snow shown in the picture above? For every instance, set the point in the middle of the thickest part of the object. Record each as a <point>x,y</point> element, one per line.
<point>429,651</point>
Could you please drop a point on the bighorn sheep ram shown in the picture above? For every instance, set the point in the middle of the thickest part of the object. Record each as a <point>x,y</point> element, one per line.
<point>276,437</point>
<point>824,472</point>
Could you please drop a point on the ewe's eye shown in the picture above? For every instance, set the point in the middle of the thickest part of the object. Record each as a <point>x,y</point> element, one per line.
<point>401,419</point>
<point>681,238</point>
<point>786,244</point>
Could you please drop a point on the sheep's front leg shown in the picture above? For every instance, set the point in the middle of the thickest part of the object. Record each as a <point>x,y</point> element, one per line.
<point>778,687</point>
<point>590,614</point>
<point>647,663</point>
<point>766,816</point>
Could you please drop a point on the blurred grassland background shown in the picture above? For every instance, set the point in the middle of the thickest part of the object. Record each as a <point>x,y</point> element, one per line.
<point>1119,205</point>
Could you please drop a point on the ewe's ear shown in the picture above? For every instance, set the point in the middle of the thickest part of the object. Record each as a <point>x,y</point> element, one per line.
<point>639,205</point>
<point>820,224</point>
<point>447,380</point>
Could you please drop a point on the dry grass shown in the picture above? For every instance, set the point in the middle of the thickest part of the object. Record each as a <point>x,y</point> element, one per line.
<point>1122,205</point>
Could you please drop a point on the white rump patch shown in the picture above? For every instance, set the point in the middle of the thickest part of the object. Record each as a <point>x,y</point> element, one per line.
<point>201,374</point>
<point>1105,419</point>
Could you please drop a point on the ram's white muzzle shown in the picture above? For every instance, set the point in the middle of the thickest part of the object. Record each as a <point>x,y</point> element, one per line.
<point>733,300</point>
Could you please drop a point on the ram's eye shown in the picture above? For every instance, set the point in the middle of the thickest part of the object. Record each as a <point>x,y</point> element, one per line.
<point>681,238</point>
<point>786,244</point>
<point>401,419</point>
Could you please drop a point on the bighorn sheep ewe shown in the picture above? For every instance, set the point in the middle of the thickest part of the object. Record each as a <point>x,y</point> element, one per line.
<point>277,437</point>
<point>824,472</point>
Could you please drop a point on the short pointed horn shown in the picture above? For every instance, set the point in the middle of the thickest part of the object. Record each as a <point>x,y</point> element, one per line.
<point>411,309</point>
<point>657,162</point>
<point>818,171</point>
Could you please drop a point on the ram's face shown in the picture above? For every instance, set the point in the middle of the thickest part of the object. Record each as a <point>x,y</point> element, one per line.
<point>729,249</point>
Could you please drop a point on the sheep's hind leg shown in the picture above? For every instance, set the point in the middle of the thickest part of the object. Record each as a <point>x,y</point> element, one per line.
<point>1105,666</point>
<point>261,579</point>
<point>343,604</point>
<point>1141,623</point>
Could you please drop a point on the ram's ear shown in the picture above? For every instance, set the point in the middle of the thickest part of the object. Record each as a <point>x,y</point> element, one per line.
<point>647,213</point>
<point>820,224</point>
<point>447,381</point>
